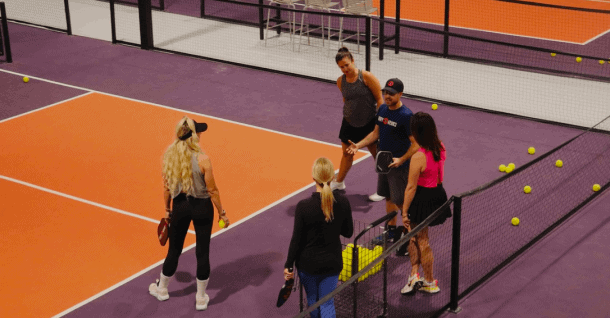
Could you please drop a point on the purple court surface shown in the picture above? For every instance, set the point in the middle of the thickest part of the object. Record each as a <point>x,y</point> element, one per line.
<point>247,260</point>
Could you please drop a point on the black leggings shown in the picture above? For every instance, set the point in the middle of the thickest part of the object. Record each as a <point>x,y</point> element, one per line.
<point>201,212</point>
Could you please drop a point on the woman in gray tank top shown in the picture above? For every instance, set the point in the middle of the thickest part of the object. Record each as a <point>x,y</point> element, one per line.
<point>361,98</point>
<point>191,191</point>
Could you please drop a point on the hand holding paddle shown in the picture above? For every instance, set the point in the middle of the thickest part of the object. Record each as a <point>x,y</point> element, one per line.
<point>396,162</point>
<point>286,288</point>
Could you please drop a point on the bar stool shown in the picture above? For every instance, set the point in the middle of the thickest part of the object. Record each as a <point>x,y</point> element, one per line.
<point>291,22</point>
<point>357,7</point>
<point>323,5</point>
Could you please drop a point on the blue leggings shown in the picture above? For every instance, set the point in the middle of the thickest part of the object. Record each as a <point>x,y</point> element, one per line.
<point>316,287</point>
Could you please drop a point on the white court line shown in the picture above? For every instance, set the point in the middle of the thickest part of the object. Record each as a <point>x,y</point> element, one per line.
<point>99,205</point>
<point>495,32</point>
<point>38,109</point>
<point>596,37</point>
<point>176,109</point>
<point>142,272</point>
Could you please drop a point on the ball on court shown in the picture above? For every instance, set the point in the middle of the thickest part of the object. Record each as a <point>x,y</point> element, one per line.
<point>221,223</point>
<point>596,187</point>
<point>26,79</point>
<point>531,150</point>
<point>509,169</point>
<point>602,62</point>
<point>515,221</point>
<point>579,59</point>
<point>559,163</point>
<point>502,168</point>
<point>434,106</point>
<point>527,189</point>
<point>553,54</point>
<point>511,166</point>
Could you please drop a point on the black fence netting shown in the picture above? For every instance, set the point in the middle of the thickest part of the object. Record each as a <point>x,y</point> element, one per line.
<point>539,195</point>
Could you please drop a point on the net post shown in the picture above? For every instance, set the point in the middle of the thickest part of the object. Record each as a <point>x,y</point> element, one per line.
<point>7,42</point>
<point>368,42</point>
<point>112,22</point>
<point>202,8</point>
<point>455,255</point>
<point>162,5</point>
<point>397,29</point>
<point>381,39</point>
<point>355,262</point>
<point>278,17</point>
<point>146,30</point>
<point>68,23</point>
<point>261,20</point>
<point>446,35</point>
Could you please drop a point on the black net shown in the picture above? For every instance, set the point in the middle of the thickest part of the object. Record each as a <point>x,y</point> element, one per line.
<point>47,13</point>
<point>488,236</point>
<point>304,51</point>
<point>539,29</point>
<point>156,4</point>
<point>127,24</point>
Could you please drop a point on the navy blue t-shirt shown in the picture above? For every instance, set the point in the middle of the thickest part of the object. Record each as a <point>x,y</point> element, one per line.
<point>394,130</point>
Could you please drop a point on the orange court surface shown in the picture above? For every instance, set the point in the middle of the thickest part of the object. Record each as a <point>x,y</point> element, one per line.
<point>93,156</point>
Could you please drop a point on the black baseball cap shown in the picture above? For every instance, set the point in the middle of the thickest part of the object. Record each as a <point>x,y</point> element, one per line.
<point>394,86</point>
<point>199,127</point>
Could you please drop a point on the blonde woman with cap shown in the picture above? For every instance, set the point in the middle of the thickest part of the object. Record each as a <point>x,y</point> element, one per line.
<point>190,188</point>
<point>315,248</point>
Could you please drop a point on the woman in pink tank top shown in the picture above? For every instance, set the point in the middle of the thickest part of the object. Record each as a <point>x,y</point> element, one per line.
<point>424,195</point>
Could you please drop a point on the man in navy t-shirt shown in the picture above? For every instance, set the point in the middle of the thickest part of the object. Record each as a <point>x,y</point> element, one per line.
<point>393,130</point>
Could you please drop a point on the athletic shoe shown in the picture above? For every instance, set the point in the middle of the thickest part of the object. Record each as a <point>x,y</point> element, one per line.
<point>431,288</point>
<point>403,251</point>
<point>376,197</point>
<point>202,303</point>
<point>337,185</point>
<point>159,293</point>
<point>413,284</point>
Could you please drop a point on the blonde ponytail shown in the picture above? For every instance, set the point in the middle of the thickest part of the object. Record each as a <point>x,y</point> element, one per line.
<point>323,172</point>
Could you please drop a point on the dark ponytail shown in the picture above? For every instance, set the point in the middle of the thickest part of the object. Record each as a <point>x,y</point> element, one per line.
<point>343,53</point>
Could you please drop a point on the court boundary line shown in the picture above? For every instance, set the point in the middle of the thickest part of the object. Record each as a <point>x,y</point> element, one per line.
<point>175,109</point>
<point>597,36</point>
<point>495,32</point>
<point>81,200</point>
<point>45,107</point>
<point>147,269</point>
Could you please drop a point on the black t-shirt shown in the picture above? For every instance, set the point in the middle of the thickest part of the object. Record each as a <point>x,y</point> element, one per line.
<point>316,246</point>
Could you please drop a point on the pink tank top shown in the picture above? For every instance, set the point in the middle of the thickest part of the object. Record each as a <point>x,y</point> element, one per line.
<point>434,170</point>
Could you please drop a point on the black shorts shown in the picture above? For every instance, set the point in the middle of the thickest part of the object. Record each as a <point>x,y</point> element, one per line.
<point>355,134</point>
<point>425,202</point>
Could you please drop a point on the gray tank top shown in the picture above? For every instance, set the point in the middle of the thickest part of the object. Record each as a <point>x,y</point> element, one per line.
<point>360,105</point>
<point>199,189</point>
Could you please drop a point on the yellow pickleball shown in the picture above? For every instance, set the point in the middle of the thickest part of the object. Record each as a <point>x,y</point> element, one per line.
<point>602,62</point>
<point>434,106</point>
<point>509,169</point>
<point>511,166</point>
<point>596,187</point>
<point>579,59</point>
<point>553,54</point>
<point>514,221</point>
<point>527,189</point>
<point>531,150</point>
<point>26,79</point>
<point>502,168</point>
<point>221,223</point>
<point>559,163</point>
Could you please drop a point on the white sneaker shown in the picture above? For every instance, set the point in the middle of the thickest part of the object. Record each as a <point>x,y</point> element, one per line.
<point>337,185</point>
<point>160,293</point>
<point>376,197</point>
<point>202,303</point>
<point>414,283</point>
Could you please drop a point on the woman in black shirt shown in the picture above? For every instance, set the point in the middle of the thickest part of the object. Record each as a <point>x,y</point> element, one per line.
<point>315,247</point>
